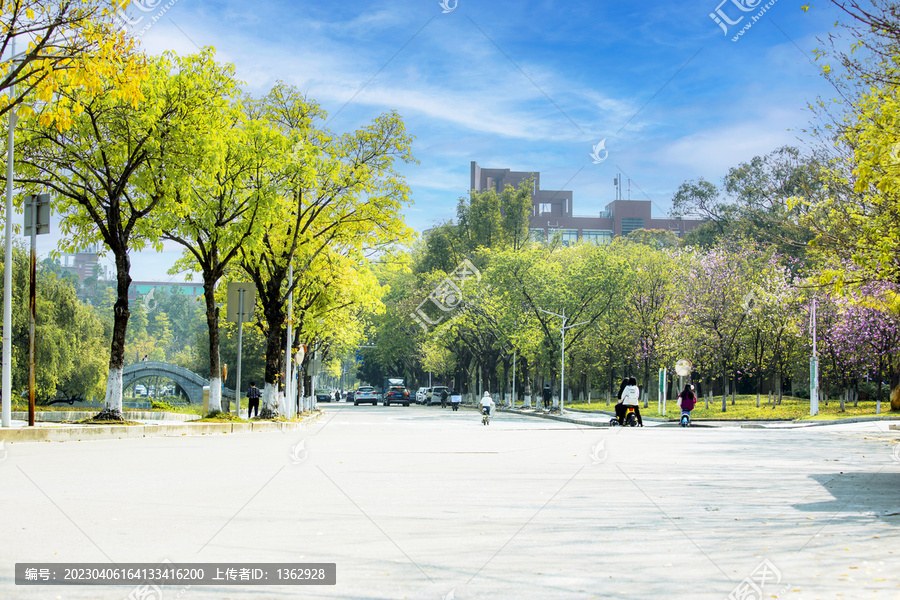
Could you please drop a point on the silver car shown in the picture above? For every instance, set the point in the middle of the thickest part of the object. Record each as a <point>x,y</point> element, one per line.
<point>366,394</point>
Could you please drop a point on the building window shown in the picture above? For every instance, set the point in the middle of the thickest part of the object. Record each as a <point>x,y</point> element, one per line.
<point>568,236</point>
<point>597,236</point>
<point>537,235</point>
<point>631,224</point>
<point>546,208</point>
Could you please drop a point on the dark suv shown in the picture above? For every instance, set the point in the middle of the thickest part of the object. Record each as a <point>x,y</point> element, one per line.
<point>396,395</point>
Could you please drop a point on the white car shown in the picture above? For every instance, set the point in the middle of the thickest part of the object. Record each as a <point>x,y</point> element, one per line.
<point>420,395</point>
<point>366,394</point>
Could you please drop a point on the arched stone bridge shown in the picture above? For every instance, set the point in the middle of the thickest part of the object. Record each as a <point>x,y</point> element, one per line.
<point>190,382</point>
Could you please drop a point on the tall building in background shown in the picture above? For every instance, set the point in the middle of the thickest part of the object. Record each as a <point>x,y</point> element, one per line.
<point>85,262</point>
<point>552,210</point>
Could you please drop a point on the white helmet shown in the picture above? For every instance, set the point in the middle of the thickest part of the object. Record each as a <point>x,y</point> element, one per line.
<point>487,394</point>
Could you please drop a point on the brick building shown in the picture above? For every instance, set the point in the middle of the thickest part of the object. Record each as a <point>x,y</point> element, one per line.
<point>552,210</point>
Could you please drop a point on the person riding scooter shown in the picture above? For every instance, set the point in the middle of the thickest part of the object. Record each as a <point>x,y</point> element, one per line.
<point>487,404</point>
<point>631,398</point>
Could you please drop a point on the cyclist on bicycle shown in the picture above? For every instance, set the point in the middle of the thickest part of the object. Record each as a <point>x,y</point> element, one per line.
<point>631,398</point>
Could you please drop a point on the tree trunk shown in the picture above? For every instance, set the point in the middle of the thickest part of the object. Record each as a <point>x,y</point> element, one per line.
<point>878,396</point>
<point>269,405</point>
<point>472,379</point>
<point>895,388</point>
<point>724,389</point>
<point>758,387</point>
<point>212,323</point>
<point>733,387</point>
<point>112,409</point>
<point>646,379</point>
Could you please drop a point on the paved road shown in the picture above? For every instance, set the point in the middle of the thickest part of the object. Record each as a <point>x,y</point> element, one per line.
<point>424,503</point>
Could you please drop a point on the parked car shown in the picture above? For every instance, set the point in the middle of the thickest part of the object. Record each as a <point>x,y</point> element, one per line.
<point>420,395</point>
<point>350,395</point>
<point>396,395</point>
<point>366,395</point>
<point>436,391</point>
<point>323,396</point>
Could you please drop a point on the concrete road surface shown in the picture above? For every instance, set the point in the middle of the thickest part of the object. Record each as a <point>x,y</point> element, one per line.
<point>425,503</point>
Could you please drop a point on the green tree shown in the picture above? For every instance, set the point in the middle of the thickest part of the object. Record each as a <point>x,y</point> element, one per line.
<point>753,202</point>
<point>118,166</point>
<point>69,336</point>
<point>339,199</point>
<point>218,216</point>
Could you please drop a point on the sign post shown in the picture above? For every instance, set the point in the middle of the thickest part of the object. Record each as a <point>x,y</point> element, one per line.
<point>37,222</point>
<point>662,390</point>
<point>241,304</point>
<point>813,367</point>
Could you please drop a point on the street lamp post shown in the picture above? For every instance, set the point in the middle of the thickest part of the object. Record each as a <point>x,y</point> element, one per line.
<point>562,377</point>
<point>813,366</point>
<point>5,419</point>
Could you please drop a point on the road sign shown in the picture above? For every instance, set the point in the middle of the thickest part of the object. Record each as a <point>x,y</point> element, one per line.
<point>42,202</point>
<point>233,306</point>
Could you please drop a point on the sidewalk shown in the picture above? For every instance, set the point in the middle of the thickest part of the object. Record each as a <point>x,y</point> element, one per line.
<point>601,418</point>
<point>171,424</point>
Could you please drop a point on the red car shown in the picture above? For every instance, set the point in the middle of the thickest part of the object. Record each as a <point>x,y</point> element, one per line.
<point>396,395</point>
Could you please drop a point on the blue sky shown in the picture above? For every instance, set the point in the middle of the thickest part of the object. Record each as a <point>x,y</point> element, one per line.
<point>526,85</point>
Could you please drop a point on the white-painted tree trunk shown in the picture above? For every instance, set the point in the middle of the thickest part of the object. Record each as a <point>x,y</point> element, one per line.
<point>215,394</point>
<point>114,392</point>
<point>270,402</point>
<point>527,401</point>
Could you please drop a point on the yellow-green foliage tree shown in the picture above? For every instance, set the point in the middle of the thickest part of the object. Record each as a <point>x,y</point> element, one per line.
<point>66,52</point>
<point>120,165</point>
<point>856,220</point>
<point>339,199</point>
<point>226,199</point>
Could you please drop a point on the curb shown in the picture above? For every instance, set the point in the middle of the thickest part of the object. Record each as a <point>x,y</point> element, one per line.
<point>78,433</point>
<point>811,423</point>
<point>59,416</point>
<point>555,418</point>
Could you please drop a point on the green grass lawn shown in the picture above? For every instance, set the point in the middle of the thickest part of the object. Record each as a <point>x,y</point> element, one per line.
<point>745,408</point>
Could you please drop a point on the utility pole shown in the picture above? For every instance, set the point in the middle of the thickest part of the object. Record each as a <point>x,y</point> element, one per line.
<point>7,266</point>
<point>813,366</point>
<point>37,221</point>
<point>563,329</point>
<point>288,376</point>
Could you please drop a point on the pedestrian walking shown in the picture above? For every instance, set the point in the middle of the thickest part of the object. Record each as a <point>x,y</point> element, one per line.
<point>444,398</point>
<point>252,400</point>
<point>548,396</point>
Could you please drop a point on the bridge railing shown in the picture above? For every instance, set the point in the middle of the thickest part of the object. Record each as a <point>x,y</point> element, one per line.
<point>176,373</point>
